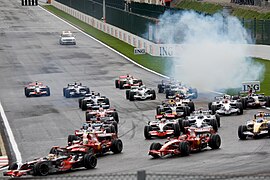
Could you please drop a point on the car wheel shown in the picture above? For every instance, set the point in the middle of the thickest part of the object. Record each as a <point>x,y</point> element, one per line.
<point>147,129</point>
<point>214,141</point>
<point>176,130</point>
<point>89,161</point>
<point>117,146</point>
<point>184,148</point>
<point>153,92</point>
<point>41,168</point>
<point>241,130</point>
<point>214,124</point>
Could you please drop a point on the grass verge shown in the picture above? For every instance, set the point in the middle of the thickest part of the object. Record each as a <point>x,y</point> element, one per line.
<point>158,64</point>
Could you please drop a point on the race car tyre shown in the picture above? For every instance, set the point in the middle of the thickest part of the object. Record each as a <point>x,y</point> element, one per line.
<point>214,124</point>
<point>160,89</point>
<point>210,105</point>
<point>241,130</point>
<point>115,125</point>
<point>153,92</point>
<point>131,96</point>
<point>80,102</point>
<point>121,84</point>
<point>88,116</point>
<point>72,138</point>
<point>127,93</point>
<point>67,93</point>
<point>180,122</point>
<point>107,101</point>
<point>84,105</point>
<point>147,129</point>
<point>267,98</point>
<point>184,148</point>
<point>48,91</point>
<point>64,92</point>
<point>218,119</point>
<point>268,128</point>
<point>195,91</point>
<point>213,109</point>
<point>186,111</point>
<point>191,106</point>
<point>240,107</point>
<point>87,90</point>
<point>117,146</point>
<point>167,94</point>
<point>89,161</point>
<point>28,93</point>
<point>112,129</point>
<point>176,130</point>
<point>185,123</point>
<point>244,102</point>
<point>156,147</point>
<point>116,83</point>
<point>13,166</point>
<point>214,141</point>
<point>41,168</point>
<point>115,116</point>
<point>159,110</point>
<point>25,91</point>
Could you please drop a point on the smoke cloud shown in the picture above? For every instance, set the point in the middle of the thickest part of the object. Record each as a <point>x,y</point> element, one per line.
<point>213,57</point>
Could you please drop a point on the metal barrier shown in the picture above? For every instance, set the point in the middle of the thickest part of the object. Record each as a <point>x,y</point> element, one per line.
<point>143,175</point>
<point>29,2</point>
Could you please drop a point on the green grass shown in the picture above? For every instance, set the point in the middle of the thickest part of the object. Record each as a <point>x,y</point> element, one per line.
<point>158,64</point>
<point>211,8</point>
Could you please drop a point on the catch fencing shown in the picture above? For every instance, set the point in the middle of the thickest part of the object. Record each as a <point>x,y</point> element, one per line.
<point>136,17</point>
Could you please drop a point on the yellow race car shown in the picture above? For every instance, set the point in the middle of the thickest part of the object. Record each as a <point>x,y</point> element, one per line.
<point>256,128</point>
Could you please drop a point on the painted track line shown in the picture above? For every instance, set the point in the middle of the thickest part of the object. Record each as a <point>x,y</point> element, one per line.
<point>10,135</point>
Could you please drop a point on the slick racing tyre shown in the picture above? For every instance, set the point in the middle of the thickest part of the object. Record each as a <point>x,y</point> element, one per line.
<point>89,161</point>
<point>117,146</point>
<point>241,130</point>
<point>214,141</point>
<point>41,168</point>
<point>184,148</point>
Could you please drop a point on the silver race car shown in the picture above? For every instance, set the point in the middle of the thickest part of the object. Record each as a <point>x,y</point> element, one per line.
<point>140,93</point>
<point>226,105</point>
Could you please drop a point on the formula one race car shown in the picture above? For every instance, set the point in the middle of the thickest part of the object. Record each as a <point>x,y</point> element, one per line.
<point>67,37</point>
<point>226,105</point>
<point>111,114</point>
<point>36,89</point>
<point>200,119</point>
<point>61,159</point>
<point>100,142</point>
<point>196,139</point>
<point>172,87</point>
<point>161,127</point>
<point>256,128</point>
<point>75,90</point>
<point>127,81</point>
<point>176,108</point>
<point>94,102</point>
<point>253,100</point>
<point>140,93</point>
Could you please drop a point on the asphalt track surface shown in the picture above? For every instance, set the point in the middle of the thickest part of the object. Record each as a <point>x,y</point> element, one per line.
<point>29,51</point>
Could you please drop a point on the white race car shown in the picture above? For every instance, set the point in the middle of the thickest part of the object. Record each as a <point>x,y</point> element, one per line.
<point>67,37</point>
<point>140,93</point>
<point>226,105</point>
<point>201,119</point>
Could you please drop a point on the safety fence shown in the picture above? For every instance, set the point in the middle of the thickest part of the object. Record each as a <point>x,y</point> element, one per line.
<point>143,175</point>
<point>137,18</point>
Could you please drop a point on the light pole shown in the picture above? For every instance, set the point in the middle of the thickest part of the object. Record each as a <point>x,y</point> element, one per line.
<point>104,12</point>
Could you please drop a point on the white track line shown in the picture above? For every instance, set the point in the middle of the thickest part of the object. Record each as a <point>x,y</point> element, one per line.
<point>10,135</point>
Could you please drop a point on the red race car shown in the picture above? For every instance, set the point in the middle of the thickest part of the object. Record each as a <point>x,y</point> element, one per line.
<point>195,140</point>
<point>110,114</point>
<point>99,142</point>
<point>36,89</point>
<point>125,82</point>
<point>59,160</point>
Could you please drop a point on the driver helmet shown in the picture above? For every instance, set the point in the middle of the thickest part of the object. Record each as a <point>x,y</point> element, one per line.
<point>85,126</point>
